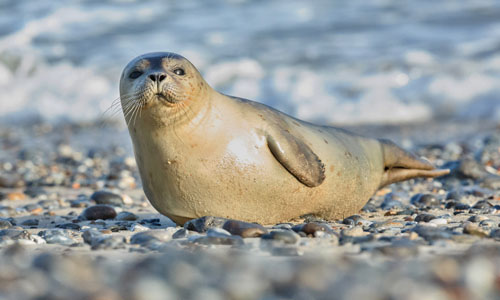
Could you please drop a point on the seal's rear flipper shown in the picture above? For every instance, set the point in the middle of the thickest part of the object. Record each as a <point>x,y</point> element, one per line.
<point>400,165</point>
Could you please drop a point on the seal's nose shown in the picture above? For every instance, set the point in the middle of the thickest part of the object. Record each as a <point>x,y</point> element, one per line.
<point>157,77</point>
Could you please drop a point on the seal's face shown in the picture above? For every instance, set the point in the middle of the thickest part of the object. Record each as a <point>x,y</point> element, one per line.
<point>159,80</point>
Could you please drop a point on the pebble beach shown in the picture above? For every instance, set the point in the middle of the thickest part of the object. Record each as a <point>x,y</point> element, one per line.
<point>74,223</point>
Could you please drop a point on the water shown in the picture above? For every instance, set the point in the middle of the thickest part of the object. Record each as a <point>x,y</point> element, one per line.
<point>345,62</point>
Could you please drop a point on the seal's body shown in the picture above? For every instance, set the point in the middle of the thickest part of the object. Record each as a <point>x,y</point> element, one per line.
<point>203,153</point>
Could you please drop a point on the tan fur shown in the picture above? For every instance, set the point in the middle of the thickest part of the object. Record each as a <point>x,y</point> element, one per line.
<point>204,153</point>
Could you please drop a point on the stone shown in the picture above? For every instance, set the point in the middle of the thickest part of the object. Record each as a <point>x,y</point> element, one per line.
<point>352,220</point>
<point>312,228</point>
<point>4,224</point>
<point>474,229</point>
<point>202,224</point>
<point>425,200</point>
<point>391,201</point>
<point>354,232</point>
<point>145,237</point>
<point>90,234</point>
<point>432,234</point>
<point>106,242</point>
<point>211,240</point>
<point>106,197</point>
<point>99,212</point>
<point>30,222</point>
<point>482,204</point>
<point>285,236</point>
<point>424,218</point>
<point>244,229</point>
<point>15,234</point>
<point>72,226</point>
<point>218,232</point>
<point>56,236</point>
<point>126,216</point>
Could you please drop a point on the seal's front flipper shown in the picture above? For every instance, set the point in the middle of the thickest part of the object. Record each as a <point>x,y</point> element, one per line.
<point>297,158</point>
<point>402,165</point>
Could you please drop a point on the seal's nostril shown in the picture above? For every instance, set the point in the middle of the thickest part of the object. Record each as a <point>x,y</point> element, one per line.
<point>157,77</point>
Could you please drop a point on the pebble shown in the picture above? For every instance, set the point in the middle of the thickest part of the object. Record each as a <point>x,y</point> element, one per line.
<point>211,240</point>
<point>99,212</point>
<point>432,234</point>
<point>56,236</point>
<point>181,233</point>
<point>477,218</point>
<point>482,204</point>
<point>244,229</point>
<point>439,221</point>
<point>15,234</point>
<point>15,196</point>
<point>218,232</point>
<point>312,228</point>
<point>474,229</point>
<point>202,224</point>
<point>391,201</point>
<point>106,197</point>
<point>145,237</point>
<point>425,200</point>
<point>354,232</point>
<point>4,224</point>
<point>352,220</point>
<point>90,234</point>
<point>10,180</point>
<point>285,236</point>
<point>107,242</point>
<point>72,226</point>
<point>126,216</point>
<point>30,222</point>
<point>424,218</point>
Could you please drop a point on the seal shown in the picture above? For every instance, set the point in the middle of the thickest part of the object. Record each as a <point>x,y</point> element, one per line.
<point>203,153</point>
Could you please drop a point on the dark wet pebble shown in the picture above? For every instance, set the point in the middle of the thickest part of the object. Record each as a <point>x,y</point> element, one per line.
<point>204,223</point>
<point>461,207</point>
<point>455,195</point>
<point>424,218</point>
<point>15,234</point>
<point>425,200</point>
<point>391,201</point>
<point>477,218</point>
<point>99,212</point>
<point>450,204</point>
<point>107,242</point>
<point>285,236</point>
<point>106,197</point>
<point>126,216</point>
<point>482,204</point>
<point>431,234</point>
<point>72,226</point>
<point>313,228</point>
<point>57,236</point>
<point>211,240</point>
<point>145,237</point>
<point>30,222</point>
<point>244,229</point>
<point>352,220</point>
<point>4,224</point>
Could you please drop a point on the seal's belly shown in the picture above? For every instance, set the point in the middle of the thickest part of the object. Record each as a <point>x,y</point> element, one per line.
<point>240,178</point>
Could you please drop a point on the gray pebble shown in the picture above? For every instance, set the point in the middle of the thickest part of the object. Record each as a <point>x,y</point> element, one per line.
<point>56,236</point>
<point>106,197</point>
<point>204,223</point>
<point>424,218</point>
<point>244,229</point>
<point>30,222</point>
<point>211,240</point>
<point>218,232</point>
<point>15,234</point>
<point>126,216</point>
<point>285,236</point>
<point>90,234</point>
<point>4,224</point>
<point>106,242</point>
<point>425,200</point>
<point>72,226</point>
<point>145,237</point>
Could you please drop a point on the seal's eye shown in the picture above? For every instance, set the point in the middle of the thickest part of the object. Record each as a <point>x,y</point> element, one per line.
<point>134,74</point>
<point>179,71</point>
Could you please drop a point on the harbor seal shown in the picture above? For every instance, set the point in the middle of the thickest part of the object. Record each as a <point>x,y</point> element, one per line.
<point>203,153</point>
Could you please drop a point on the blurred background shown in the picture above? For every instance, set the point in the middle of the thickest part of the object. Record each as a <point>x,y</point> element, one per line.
<point>342,62</point>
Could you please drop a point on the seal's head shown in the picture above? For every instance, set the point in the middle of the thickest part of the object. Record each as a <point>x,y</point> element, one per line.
<point>165,83</point>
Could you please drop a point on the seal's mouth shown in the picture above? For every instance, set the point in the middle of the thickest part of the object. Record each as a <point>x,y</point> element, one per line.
<point>162,97</point>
